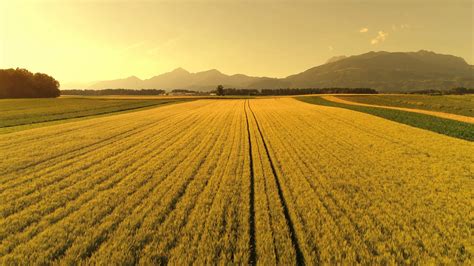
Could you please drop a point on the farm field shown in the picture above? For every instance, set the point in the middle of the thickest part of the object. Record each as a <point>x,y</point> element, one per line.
<point>267,181</point>
<point>454,104</point>
<point>438,124</point>
<point>23,113</point>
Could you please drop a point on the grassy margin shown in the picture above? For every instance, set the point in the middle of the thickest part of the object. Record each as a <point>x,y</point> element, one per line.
<point>450,104</point>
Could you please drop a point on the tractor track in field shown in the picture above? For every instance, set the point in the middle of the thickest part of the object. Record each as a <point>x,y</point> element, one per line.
<point>252,241</point>
<point>294,239</point>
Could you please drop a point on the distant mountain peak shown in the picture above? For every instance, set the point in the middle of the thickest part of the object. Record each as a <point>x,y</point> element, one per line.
<point>132,78</point>
<point>180,70</point>
<point>389,71</point>
<point>425,52</point>
<point>381,70</point>
<point>210,71</point>
<point>336,58</point>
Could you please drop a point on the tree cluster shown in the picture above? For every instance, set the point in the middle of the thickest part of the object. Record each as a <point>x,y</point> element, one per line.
<point>21,83</point>
<point>183,91</point>
<point>299,91</point>
<point>233,91</point>
<point>113,92</point>
<point>454,91</point>
<point>221,91</point>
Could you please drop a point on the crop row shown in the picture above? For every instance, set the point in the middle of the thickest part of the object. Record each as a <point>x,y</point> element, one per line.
<point>267,181</point>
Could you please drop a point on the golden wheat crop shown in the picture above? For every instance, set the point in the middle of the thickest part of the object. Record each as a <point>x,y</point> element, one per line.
<point>268,181</point>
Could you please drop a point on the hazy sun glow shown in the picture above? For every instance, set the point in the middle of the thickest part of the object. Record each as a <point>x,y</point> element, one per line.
<point>83,41</point>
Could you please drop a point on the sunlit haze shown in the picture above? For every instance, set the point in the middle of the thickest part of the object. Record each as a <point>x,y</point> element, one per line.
<point>84,41</point>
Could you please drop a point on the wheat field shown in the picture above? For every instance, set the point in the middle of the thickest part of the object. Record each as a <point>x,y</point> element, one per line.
<point>266,181</point>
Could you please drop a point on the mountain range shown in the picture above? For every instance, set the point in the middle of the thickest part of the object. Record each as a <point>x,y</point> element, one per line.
<point>384,71</point>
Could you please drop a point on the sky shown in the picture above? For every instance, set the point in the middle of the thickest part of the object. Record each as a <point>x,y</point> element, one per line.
<point>81,41</point>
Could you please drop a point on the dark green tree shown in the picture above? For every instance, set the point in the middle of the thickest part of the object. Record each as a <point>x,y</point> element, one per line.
<point>21,83</point>
<point>220,90</point>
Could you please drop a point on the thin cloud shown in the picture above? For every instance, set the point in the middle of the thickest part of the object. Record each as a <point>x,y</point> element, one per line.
<point>381,36</point>
<point>396,27</point>
<point>330,48</point>
<point>156,49</point>
<point>132,46</point>
<point>363,30</point>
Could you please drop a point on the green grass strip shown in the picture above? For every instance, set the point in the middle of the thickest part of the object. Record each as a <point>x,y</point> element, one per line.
<point>439,125</point>
<point>50,122</point>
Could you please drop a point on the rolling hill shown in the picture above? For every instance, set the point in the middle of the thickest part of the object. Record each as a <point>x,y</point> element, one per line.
<point>180,79</point>
<point>390,72</point>
<point>384,71</point>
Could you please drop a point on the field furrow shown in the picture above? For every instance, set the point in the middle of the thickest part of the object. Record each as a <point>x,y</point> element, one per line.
<point>380,208</point>
<point>235,181</point>
<point>205,211</point>
<point>299,259</point>
<point>156,210</point>
<point>116,176</point>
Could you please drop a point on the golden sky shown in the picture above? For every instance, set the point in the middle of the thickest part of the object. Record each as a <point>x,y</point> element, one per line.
<point>90,40</point>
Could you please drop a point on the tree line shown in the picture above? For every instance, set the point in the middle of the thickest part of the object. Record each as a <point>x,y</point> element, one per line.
<point>113,92</point>
<point>21,83</point>
<point>221,91</point>
<point>453,91</point>
<point>191,92</point>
